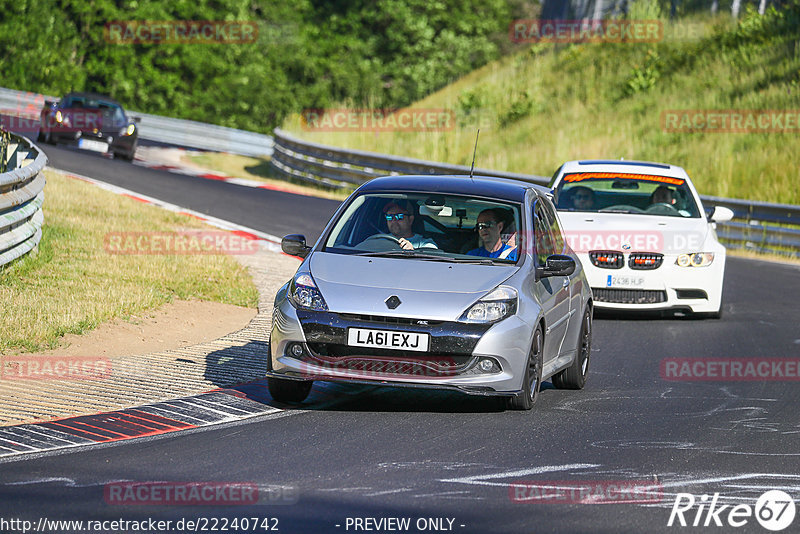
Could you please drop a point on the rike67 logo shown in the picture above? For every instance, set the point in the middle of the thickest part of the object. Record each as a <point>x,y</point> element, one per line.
<point>774,510</point>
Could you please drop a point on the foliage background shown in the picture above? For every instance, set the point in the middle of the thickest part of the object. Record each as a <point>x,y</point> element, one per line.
<point>309,53</point>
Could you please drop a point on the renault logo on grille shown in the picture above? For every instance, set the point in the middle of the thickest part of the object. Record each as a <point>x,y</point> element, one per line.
<point>392,302</point>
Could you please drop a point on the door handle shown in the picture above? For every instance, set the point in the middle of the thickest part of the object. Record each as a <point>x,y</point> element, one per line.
<point>566,282</point>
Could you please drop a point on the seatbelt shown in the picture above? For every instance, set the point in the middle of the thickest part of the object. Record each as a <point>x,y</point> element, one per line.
<point>503,255</point>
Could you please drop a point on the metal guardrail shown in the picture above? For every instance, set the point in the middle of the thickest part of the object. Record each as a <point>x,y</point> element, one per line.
<point>21,198</point>
<point>179,132</point>
<point>757,226</point>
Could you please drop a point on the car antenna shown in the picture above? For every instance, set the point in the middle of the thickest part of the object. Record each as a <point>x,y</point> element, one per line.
<point>475,151</point>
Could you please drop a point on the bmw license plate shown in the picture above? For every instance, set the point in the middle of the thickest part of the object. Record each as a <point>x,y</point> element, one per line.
<point>387,339</point>
<point>96,146</point>
<point>624,281</point>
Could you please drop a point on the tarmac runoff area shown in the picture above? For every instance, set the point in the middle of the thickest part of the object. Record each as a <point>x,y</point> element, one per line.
<point>153,393</point>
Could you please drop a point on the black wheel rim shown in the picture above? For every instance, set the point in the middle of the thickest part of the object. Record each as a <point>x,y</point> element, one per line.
<point>533,366</point>
<point>586,343</point>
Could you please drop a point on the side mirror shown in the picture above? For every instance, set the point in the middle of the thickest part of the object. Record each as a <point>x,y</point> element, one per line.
<point>557,265</point>
<point>50,103</point>
<point>295,245</point>
<point>136,119</point>
<point>720,214</point>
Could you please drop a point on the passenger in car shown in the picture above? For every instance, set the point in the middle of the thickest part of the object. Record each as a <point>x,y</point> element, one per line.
<point>490,227</point>
<point>399,219</point>
<point>662,195</point>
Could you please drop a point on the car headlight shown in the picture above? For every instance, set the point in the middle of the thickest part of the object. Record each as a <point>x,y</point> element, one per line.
<point>59,116</point>
<point>303,293</point>
<point>695,259</point>
<point>497,305</point>
<point>128,130</point>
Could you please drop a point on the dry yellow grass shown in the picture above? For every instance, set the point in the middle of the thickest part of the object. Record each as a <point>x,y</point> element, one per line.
<point>72,284</point>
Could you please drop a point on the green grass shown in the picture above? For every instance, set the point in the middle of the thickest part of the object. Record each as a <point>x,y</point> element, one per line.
<point>553,103</point>
<point>71,284</point>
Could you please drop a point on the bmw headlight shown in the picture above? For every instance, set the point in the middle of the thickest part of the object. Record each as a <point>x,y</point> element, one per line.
<point>497,305</point>
<point>128,130</point>
<point>695,259</point>
<point>59,116</point>
<point>303,293</point>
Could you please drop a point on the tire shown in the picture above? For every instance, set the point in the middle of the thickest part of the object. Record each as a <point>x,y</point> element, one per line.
<point>574,376</point>
<point>533,376</point>
<point>291,391</point>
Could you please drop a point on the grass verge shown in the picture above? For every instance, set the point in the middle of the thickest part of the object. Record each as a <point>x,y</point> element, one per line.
<point>553,103</point>
<point>71,284</point>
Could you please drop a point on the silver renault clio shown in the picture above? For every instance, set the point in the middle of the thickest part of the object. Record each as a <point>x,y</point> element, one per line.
<point>435,281</point>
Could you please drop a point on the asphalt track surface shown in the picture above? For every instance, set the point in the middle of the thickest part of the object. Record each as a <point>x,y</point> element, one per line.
<point>370,452</point>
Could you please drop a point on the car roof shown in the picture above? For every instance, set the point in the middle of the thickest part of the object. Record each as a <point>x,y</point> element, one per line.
<point>93,96</point>
<point>614,165</point>
<point>477,186</point>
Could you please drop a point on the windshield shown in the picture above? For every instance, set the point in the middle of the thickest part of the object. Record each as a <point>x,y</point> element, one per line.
<point>428,226</point>
<point>111,112</point>
<point>607,192</point>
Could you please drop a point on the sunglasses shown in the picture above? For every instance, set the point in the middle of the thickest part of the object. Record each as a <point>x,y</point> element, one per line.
<point>395,216</point>
<point>484,225</point>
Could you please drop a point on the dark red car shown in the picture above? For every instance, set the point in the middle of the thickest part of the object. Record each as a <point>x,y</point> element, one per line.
<point>90,121</point>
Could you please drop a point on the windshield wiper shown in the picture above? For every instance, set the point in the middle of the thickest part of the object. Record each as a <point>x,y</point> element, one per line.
<point>399,253</point>
<point>422,256</point>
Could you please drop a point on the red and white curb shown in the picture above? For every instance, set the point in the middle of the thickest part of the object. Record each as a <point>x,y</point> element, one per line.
<point>268,241</point>
<point>141,161</point>
<point>215,407</point>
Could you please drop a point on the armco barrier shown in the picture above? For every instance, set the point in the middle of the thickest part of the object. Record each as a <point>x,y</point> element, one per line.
<point>757,226</point>
<point>179,132</point>
<point>21,198</point>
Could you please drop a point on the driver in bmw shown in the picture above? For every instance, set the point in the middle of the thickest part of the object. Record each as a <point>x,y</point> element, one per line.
<point>399,218</point>
<point>662,195</point>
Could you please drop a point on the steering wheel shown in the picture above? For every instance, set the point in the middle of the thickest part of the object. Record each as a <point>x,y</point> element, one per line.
<point>377,243</point>
<point>662,206</point>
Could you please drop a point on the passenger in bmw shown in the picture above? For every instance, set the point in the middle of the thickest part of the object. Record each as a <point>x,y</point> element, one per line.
<point>490,227</point>
<point>400,218</point>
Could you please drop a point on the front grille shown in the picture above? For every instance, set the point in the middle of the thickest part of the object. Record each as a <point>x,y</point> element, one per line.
<point>607,259</point>
<point>642,261</point>
<point>386,362</point>
<point>387,320</point>
<point>629,296</point>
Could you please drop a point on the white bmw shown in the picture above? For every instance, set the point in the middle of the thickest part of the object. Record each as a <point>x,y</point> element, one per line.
<point>643,236</point>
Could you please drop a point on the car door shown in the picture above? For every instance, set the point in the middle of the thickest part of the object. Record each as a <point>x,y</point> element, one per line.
<point>553,292</point>
<point>573,282</point>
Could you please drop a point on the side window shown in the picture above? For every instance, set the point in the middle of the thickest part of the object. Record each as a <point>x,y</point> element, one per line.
<point>541,235</point>
<point>555,227</point>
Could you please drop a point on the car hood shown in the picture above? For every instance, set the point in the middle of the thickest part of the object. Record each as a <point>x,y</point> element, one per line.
<point>427,289</point>
<point>633,232</point>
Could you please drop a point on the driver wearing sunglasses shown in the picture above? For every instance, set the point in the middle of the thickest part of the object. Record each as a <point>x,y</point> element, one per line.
<point>489,228</point>
<point>399,218</point>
